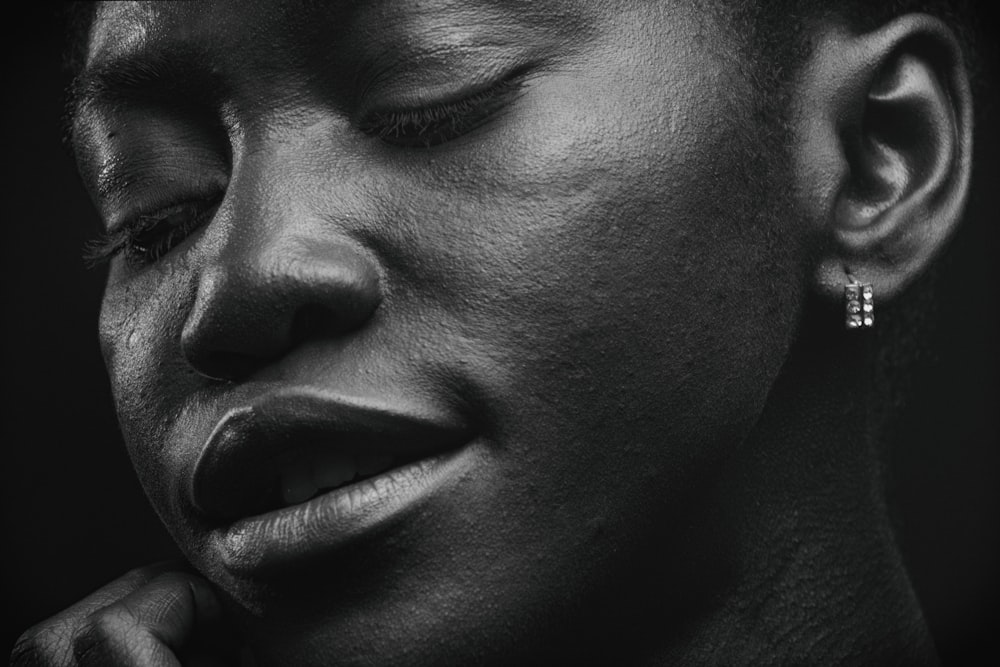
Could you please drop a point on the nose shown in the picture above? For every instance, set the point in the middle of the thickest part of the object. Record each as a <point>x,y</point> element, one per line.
<point>258,304</point>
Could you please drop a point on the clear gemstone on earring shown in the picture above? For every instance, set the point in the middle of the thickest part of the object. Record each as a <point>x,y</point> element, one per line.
<point>859,304</point>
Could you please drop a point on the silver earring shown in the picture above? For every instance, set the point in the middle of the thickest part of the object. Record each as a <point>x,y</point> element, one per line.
<point>859,304</point>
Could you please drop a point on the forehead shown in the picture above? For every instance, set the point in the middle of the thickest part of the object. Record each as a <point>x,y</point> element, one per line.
<point>255,64</point>
<point>276,51</point>
<point>340,25</point>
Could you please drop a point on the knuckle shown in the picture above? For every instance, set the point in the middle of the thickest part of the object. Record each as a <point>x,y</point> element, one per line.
<point>103,634</point>
<point>27,653</point>
<point>41,646</point>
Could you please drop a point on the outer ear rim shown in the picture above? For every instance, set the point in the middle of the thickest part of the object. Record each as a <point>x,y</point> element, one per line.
<point>848,65</point>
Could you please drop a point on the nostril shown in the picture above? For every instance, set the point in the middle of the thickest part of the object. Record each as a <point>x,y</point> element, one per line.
<point>308,323</point>
<point>234,366</point>
<point>314,321</point>
<point>225,366</point>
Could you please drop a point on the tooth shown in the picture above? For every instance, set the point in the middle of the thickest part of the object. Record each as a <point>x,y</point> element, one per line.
<point>296,483</point>
<point>372,463</point>
<point>330,470</point>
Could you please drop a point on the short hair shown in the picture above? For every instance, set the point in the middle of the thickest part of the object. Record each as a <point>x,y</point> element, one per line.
<point>777,31</point>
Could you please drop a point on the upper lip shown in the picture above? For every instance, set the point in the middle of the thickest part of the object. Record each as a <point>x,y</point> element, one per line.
<point>236,471</point>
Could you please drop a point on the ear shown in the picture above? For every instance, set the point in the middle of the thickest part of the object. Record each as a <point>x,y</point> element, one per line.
<point>882,127</point>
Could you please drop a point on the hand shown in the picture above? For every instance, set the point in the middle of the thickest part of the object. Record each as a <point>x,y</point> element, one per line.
<point>158,616</point>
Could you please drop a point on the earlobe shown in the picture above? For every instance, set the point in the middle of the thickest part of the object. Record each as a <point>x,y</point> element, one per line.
<point>892,131</point>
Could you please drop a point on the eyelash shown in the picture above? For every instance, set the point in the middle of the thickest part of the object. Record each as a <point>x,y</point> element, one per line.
<point>429,126</point>
<point>149,236</point>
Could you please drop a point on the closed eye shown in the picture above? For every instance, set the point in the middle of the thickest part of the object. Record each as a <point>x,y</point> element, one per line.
<point>423,127</point>
<point>147,237</point>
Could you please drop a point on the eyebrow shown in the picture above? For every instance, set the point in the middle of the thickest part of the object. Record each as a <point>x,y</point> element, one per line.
<point>172,75</point>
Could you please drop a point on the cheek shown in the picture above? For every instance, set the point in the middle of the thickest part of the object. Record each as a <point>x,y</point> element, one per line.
<point>139,328</point>
<point>605,255</point>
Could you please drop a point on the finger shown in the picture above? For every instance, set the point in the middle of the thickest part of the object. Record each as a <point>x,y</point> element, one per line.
<point>150,626</point>
<point>50,643</point>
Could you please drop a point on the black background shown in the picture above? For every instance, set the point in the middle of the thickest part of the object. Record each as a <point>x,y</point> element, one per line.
<point>74,517</point>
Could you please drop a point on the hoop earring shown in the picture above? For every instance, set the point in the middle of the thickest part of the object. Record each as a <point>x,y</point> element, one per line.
<point>859,304</point>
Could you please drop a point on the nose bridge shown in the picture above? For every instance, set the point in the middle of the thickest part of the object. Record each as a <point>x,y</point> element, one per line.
<point>272,194</point>
<point>279,269</point>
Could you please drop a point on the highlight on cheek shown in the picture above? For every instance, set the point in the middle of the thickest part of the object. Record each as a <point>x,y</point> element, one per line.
<point>147,237</point>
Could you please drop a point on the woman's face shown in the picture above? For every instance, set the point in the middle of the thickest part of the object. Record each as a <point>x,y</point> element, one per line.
<point>505,265</point>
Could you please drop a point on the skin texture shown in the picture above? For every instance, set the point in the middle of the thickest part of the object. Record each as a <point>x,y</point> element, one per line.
<point>601,283</point>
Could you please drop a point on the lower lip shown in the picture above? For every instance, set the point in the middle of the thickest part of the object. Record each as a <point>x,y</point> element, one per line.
<point>284,538</point>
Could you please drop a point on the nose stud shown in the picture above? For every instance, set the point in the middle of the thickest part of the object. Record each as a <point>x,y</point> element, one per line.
<point>859,304</point>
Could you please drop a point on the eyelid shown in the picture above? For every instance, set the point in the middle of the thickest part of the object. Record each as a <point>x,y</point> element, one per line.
<point>145,191</point>
<point>123,237</point>
<point>379,121</point>
<point>440,95</point>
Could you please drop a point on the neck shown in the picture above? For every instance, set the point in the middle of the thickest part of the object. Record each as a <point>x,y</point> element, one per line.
<point>810,571</point>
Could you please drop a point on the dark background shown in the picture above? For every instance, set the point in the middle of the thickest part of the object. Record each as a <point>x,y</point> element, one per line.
<point>74,517</point>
